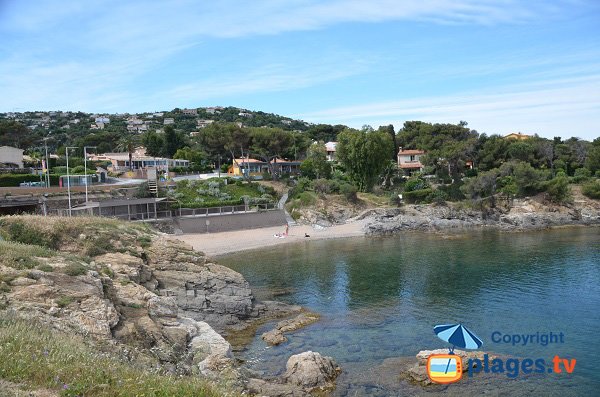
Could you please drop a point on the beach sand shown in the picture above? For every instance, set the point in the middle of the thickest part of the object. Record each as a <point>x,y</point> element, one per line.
<point>214,244</point>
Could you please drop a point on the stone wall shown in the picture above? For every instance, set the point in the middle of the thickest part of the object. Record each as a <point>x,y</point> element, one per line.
<point>228,222</point>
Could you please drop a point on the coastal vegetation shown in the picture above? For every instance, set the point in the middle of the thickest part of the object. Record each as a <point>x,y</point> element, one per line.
<point>458,164</point>
<point>38,357</point>
<point>219,192</point>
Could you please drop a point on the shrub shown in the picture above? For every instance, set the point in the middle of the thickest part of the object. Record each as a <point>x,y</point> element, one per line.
<point>64,301</point>
<point>142,191</point>
<point>453,191</point>
<point>21,232</point>
<point>13,180</point>
<point>415,183</point>
<point>307,198</point>
<point>558,189</point>
<point>582,175</point>
<point>417,196</point>
<point>45,268</point>
<point>74,269</point>
<point>349,192</point>
<point>437,197</point>
<point>592,190</point>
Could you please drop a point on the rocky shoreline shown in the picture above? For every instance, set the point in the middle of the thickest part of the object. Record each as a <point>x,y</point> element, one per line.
<point>523,215</point>
<point>156,300</point>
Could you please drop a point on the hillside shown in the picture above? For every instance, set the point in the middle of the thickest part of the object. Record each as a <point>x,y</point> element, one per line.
<point>27,129</point>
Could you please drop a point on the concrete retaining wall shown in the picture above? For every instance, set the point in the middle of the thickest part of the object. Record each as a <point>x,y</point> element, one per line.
<point>224,223</point>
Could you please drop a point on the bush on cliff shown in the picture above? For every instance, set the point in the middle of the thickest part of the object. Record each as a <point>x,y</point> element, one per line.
<point>592,190</point>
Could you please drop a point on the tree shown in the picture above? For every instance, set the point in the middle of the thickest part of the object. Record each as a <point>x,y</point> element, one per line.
<point>187,153</point>
<point>128,143</point>
<point>363,154</point>
<point>269,144</point>
<point>593,160</point>
<point>173,141</point>
<point>316,165</point>
<point>154,144</point>
<point>13,133</point>
<point>390,130</point>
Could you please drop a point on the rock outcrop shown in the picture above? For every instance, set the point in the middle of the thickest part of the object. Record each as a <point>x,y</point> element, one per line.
<point>523,214</point>
<point>305,373</point>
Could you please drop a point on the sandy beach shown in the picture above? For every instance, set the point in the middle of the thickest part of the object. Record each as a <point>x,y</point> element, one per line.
<point>214,244</point>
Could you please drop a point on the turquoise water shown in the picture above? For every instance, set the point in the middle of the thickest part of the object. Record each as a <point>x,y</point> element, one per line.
<point>380,298</point>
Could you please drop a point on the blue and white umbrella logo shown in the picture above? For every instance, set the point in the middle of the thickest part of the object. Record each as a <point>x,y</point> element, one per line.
<point>458,335</point>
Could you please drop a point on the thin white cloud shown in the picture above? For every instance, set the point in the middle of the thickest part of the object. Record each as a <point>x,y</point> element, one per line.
<point>548,108</point>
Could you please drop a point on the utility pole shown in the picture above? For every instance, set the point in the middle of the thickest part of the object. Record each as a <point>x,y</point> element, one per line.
<point>47,173</point>
<point>219,166</point>
<point>85,148</point>
<point>68,176</point>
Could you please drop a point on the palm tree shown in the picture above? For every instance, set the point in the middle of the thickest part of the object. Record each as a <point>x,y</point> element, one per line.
<point>127,143</point>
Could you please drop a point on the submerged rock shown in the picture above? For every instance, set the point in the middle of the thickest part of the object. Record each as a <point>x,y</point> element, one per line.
<point>276,335</point>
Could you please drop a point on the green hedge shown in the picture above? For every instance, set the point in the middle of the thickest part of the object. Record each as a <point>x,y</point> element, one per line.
<point>12,180</point>
<point>417,196</point>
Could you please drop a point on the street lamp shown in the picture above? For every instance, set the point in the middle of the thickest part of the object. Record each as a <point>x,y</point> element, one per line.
<point>85,148</point>
<point>68,176</point>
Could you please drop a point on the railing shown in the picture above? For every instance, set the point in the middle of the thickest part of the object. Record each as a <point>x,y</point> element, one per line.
<point>179,212</point>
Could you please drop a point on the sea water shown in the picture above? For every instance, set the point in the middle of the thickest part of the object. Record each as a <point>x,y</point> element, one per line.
<point>381,297</point>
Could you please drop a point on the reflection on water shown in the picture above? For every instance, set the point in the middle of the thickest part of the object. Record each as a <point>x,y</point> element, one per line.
<point>380,298</point>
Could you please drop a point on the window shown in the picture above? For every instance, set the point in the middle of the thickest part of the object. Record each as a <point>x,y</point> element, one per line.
<point>412,157</point>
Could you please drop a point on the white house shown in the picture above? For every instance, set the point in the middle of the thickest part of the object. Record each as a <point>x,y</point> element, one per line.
<point>168,121</point>
<point>410,160</point>
<point>331,148</point>
<point>11,156</point>
<point>104,120</point>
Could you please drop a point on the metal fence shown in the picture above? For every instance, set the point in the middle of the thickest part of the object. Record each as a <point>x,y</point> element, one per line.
<point>179,212</point>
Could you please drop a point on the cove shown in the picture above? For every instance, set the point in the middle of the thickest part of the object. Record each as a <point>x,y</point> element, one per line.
<point>380,298</point>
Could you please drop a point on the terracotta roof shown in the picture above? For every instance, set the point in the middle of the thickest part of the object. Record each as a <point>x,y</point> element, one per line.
<point>244,160</point>
<point>411,151</point>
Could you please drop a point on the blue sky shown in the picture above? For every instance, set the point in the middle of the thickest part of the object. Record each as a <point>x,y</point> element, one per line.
<point>503,66</point>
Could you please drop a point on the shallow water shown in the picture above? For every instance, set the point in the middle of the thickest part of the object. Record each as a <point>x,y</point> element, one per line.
<point>380,298</point>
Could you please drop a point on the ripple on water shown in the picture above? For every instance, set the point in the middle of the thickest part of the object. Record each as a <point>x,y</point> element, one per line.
<point>379,299</point>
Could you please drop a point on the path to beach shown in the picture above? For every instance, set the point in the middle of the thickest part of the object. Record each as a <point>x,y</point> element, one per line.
<point>214,244</point>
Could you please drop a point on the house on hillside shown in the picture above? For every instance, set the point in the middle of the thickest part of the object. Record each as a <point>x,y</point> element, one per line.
<point>410,160</point>
<point>204,123</point>
<point>330,147</point>
<point>518,136</point>
<point>139,160</point>
<point>254,167</point>
<point>190,112</point>
<point>11,157</point>
<point>168,121</point>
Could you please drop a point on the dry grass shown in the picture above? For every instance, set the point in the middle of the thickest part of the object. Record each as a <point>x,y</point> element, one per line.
<point>35,357</point>
<point>88,236</point>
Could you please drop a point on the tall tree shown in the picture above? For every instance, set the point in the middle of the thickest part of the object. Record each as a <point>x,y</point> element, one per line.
<point>269,144</point>
<point>363,154</point>
<point>316,164</point>
<point>154,143</point>
<point>128,143</point>
<point>390,130</point>
<point>173,141</point>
